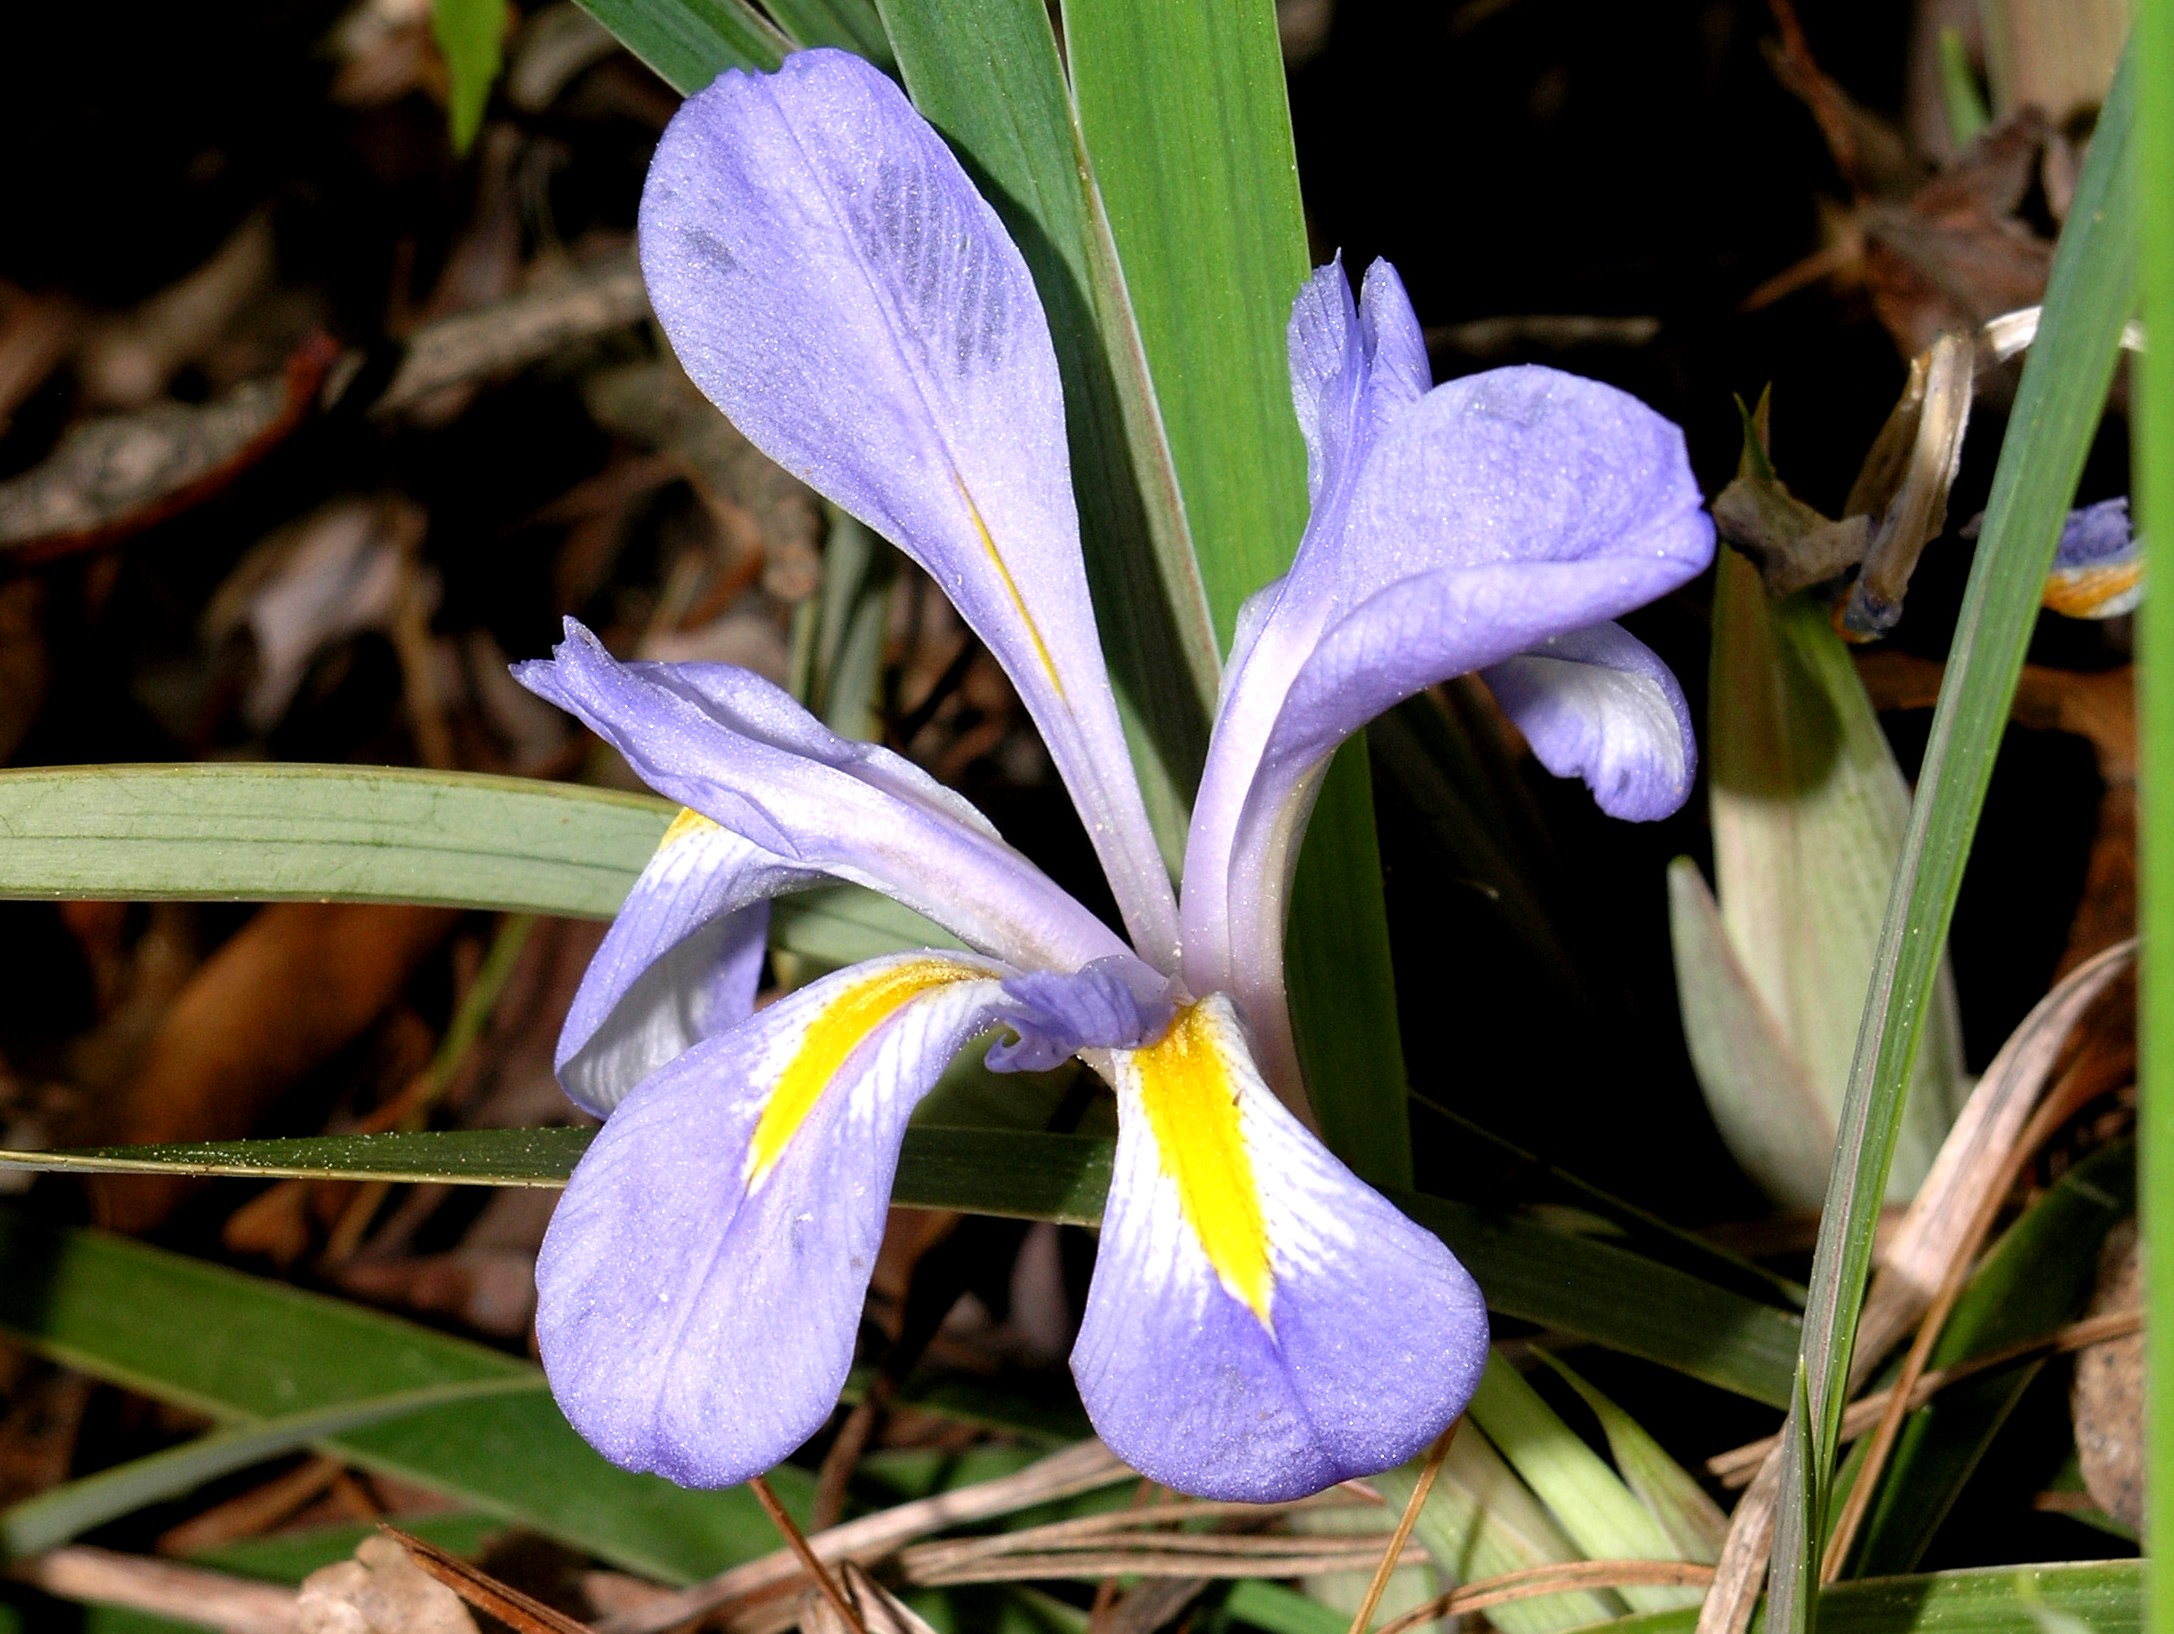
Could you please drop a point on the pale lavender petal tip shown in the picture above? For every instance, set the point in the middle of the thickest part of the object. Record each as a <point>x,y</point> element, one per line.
<point>694,1322</point>
<point>1599,704</point>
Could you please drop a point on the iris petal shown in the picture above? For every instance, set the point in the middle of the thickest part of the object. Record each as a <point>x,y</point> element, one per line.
<point>679,964</point>
<point>832,281</point>
<point>700,1289</point>
<point>1599,704</point>
<point>1261,1324</point>
<point>1451,531</point>
<point>737,749</point>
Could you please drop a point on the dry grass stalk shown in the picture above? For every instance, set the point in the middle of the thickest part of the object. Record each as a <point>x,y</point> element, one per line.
<point>1536,1581</point>
<point>1916,1264</point>
<point>232,1605</point>
<point>795,1540</point>
<point>522,1613</point>
<point>1391,1556</point>
<point>1082,1467</point>
<point>1736,1466</point>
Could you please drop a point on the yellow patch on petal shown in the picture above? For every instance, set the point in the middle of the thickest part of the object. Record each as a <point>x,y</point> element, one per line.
<point>1019,603</point>
<point>689,821</point>
<point>839,1029</point>
<point>2086,592</point>
<point>1192,1107</point>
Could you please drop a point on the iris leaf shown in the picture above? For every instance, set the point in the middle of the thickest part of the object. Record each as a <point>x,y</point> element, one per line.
<point>376,834</point>
<point>245,1351</point>
<point>1531,1271</point>
<point>1187,125</point>
<point>688,43</point>
<point>471,36</point>
<point>2088,299</point>
<point>2106,1594</point>
<point>986,74</point>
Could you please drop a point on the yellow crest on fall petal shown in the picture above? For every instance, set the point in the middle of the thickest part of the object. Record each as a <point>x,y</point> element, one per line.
<point>689,821</point>
<point>1191,1101</point>
<point>857,1009</point>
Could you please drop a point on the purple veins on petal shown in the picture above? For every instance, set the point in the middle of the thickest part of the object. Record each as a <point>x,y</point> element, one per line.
<point>831,280</point>
<point>700,1288</point>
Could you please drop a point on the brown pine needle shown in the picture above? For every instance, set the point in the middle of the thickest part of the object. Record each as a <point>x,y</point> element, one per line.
<point>1403,1532</point>
<point>1536,1581</point>
<point>808,1557</point>
<point>520,1612</point>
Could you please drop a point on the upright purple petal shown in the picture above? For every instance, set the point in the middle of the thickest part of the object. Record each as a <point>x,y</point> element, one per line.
<point>700,1289</point>
<point>679,964</point>
<point>832,281</point>
<point>1599,704</point>
<point>1455,530</point>
<point>1261,1324</point>
<point>728,744</point>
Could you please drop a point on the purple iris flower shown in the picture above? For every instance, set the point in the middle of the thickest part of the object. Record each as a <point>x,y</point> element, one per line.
<point>1260,1323</point>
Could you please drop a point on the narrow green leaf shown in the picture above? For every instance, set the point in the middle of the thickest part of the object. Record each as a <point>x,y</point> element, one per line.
<point>986,73</point>
<point>850,25</point>
<point>2088,300</point>
<point>335,833</point>
<point>1572,1284</point>
<point>288,1557</point>
<point>1185,119</point>
<point>1279,1610</point>
<point>688,43</point>
<point>1694,1522</point>
<point>67,1511</point>
<point>1482,1521</point>
<point>377,834</point>
<point>1590,1501</point>
<point>243,1351</point>
<point>1959,93</point>
<point>2105,1594</point>
<point>2153,430</point>
<point>1809,810</point>
<point>471,36</point>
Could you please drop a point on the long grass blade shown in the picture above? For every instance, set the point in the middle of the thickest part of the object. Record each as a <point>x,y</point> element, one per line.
<point>2154,457</point>
<point>2088,300</point>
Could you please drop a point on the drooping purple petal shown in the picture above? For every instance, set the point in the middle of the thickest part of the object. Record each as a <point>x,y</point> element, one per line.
<point>1261,1324</point>
<point>2098,569</point>
<point>1452,531</point>
<point>700,1288</point>
<point>1599,704</point>
<point>728,744</point>
<point>832,281</point>
<point>679,964</point>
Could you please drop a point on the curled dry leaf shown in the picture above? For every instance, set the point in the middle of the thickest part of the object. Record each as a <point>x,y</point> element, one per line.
<point>2107,1399</point>
<point>300,981</point>
<point>379,1591</point>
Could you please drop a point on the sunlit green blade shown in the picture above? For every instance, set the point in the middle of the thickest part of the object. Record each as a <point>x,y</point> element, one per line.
<point>1589,1501</point>
<point>1577,1286</point>
<point>1482,1521</point>
<point>986,73</point>
<point>850,25</point>
<point>2088,300</point>
<point>348,833</point>
<point>376,834</point>
<point>243,1350</point>
<point>688,43</point>
<point>1693,1522</point>
<point>1186,122</point>
<point>2107,1595</point>
<point>2154,460</point>
<point>2037,1277</point>
<point>67,1511</point>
